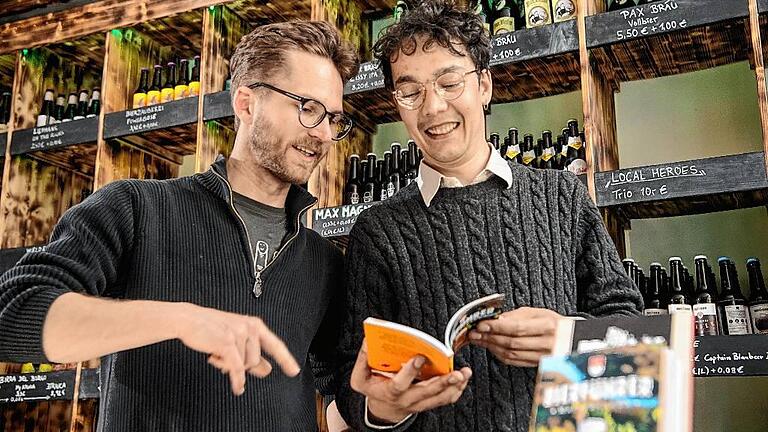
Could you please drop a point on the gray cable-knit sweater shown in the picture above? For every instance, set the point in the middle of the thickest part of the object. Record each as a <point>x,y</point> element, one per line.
<point>542,242</point>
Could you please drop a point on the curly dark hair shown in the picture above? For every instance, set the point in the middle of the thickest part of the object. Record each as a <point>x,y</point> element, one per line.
<point>441,22</point>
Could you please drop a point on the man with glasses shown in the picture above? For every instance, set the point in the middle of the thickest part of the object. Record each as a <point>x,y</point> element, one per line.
<point>471,225</point>
<point>185,285</point>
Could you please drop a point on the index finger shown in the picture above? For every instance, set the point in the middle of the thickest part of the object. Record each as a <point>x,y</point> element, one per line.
<point>277,349</point>
<point>517,327</point>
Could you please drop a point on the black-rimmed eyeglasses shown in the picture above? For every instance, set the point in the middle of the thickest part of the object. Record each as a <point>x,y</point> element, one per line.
<point>312,113</point>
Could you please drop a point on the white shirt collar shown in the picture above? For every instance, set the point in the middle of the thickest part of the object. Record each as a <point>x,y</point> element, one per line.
<point>430,180</point>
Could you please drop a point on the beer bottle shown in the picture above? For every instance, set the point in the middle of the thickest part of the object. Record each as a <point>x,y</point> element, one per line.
<point>677,298</point>
<point>95,106</point>
<point>494,140</point>
<point>732,307</point>
<point>166,93</point>
<point>758,297</point>
<point>537,13</point>
<point>352,188</point>
<point>400,8</point>
<point>704,308</point>
<point>563,10</point>
<point>194,82</point>
<point>548,152</point>
<point>404,168</point>
<point>369,181</point>
<point>61,107</point>
<point>504,22</point>
<point>654,301</point>
<point>529,154</point>
<point>413,161</point>
<point>513,150</point>
<point>5,110</point>
<point>140,95</point>
<point>46,111</point>
<point>575,162</point>
<point>621,4</point>
<point>394,170</point>
<point>181,90</point>
<point>154,95</point>
<point>642,282</point>
<point>387,189</point>
<point>627,263</point>
<point>381,180</point>
<point>82,105</point>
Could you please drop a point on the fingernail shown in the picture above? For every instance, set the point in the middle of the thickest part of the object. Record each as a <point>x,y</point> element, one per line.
<point>453,379</point>
<point>419,362</point>
<point>483,327</point>
<point>475,336</point>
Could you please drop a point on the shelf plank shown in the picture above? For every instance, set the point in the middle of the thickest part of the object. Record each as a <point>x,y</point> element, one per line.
<point>156,117</point>
<point>36,387</point>
<point>658,39</point>
<point>732,356</point>
<point>55,136</point>
<point>686,187</point>
<point>217,106</point>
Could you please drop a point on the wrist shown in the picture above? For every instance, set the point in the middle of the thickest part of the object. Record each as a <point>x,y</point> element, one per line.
<point>383,413</point>
<point>177,318</point>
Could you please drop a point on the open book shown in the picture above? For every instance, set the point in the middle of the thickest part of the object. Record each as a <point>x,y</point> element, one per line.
<point>614,374</point>
<point>390,345</point>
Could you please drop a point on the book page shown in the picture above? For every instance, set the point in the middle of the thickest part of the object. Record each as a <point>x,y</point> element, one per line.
<point>466,318</point>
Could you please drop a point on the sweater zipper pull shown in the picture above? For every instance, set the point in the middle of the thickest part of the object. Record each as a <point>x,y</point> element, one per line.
<point>257,285</point>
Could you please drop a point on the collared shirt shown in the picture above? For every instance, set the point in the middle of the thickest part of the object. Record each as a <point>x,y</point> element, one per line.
<point>430,180</point>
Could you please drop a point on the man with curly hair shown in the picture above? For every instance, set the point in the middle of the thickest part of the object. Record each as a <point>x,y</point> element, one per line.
<point>471,225</point>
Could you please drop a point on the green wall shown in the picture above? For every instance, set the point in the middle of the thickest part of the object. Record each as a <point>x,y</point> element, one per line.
<point>701,114</point>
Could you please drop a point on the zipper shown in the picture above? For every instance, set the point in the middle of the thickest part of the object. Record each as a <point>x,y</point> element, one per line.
<point>258,284</point>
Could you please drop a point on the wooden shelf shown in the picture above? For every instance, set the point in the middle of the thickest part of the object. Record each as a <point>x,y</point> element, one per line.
<point>48,386</point>
<point>731,356</point>
<point>70,145</point>
<point>655,40</point>
<point>684,188</point>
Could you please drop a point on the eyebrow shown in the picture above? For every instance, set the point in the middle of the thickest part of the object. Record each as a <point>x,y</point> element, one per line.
<point>446,69</point>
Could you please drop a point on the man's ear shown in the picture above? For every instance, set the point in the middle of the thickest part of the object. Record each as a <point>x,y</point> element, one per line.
<point>486,86</point>
<point>241,104</point>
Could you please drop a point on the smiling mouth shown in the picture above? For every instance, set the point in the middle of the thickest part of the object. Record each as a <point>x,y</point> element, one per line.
<point>305,151</point>
<point>441,129</point>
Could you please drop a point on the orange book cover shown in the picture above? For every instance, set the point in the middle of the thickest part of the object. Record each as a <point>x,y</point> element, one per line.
<point>390,345</point>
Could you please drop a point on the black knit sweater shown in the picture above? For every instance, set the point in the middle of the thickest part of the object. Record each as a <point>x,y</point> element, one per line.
<point>542,242</point>
<point>180,241</point>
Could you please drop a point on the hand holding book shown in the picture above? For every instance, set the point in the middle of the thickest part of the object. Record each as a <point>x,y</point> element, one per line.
<point>519,337</point>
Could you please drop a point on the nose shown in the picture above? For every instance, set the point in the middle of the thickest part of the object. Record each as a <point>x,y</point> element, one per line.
<point>433,103</point>
<point>323,131</point>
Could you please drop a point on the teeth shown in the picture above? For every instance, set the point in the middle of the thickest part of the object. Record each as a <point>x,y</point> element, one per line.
<point>304,150</point>
<point>442,129</point>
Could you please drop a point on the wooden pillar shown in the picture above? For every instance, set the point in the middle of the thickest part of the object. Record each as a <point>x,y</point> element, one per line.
<point>758,54</point>
<point>327,182</point>
<point>222,30</point>
<point>599,121</point>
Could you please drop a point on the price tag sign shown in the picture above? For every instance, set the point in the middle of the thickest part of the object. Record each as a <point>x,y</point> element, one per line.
<point>133,122</point>
<point>745,355</point>
<point>36,387</point>
<point>658,17</point>
<point>54,136</point>
<point>337,221</point>
<point>369,77</point>
<point>217,105</point>
<point>526,44</point>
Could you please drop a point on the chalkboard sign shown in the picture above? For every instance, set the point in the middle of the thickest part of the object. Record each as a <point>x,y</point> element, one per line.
<point>337,221</point>
<point>537,42</point>
<point>370,77</point>
<point>48,386</point>
<point>745,355</point>
<point>53,136</point>
<point>132,122</point>
<point>724,174</point>
<point>217,106</point>
<point>659,17</point>
<point>3,143</point>
<point>762,6</point>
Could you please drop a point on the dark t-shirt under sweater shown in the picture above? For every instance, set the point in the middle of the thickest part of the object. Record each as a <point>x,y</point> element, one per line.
<point>266,226</point>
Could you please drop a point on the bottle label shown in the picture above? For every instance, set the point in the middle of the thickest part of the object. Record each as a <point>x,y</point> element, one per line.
<point>503,25</point>
<point>564,10</point>
<point>384,195</point>
<point>548,154</point>
<point>180,92</point>
<point>537,13</point>
<point>390,189</point>
<point>705,319</point>
<point>354,198</point>
<point>575,142</point>
<point>678,308</point>
<point>166,95</point>
<point>654,312</point>
<point>737,320</point>
<point>513,151</point>
<point>42,120</point>
<point>194,88</point>
<point>528,157</point>
<point>759,314</point>
<point>367,197</point>
<point>153,97</point>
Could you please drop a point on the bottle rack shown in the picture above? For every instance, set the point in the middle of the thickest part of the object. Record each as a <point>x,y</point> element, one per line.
<point>118,38</point>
